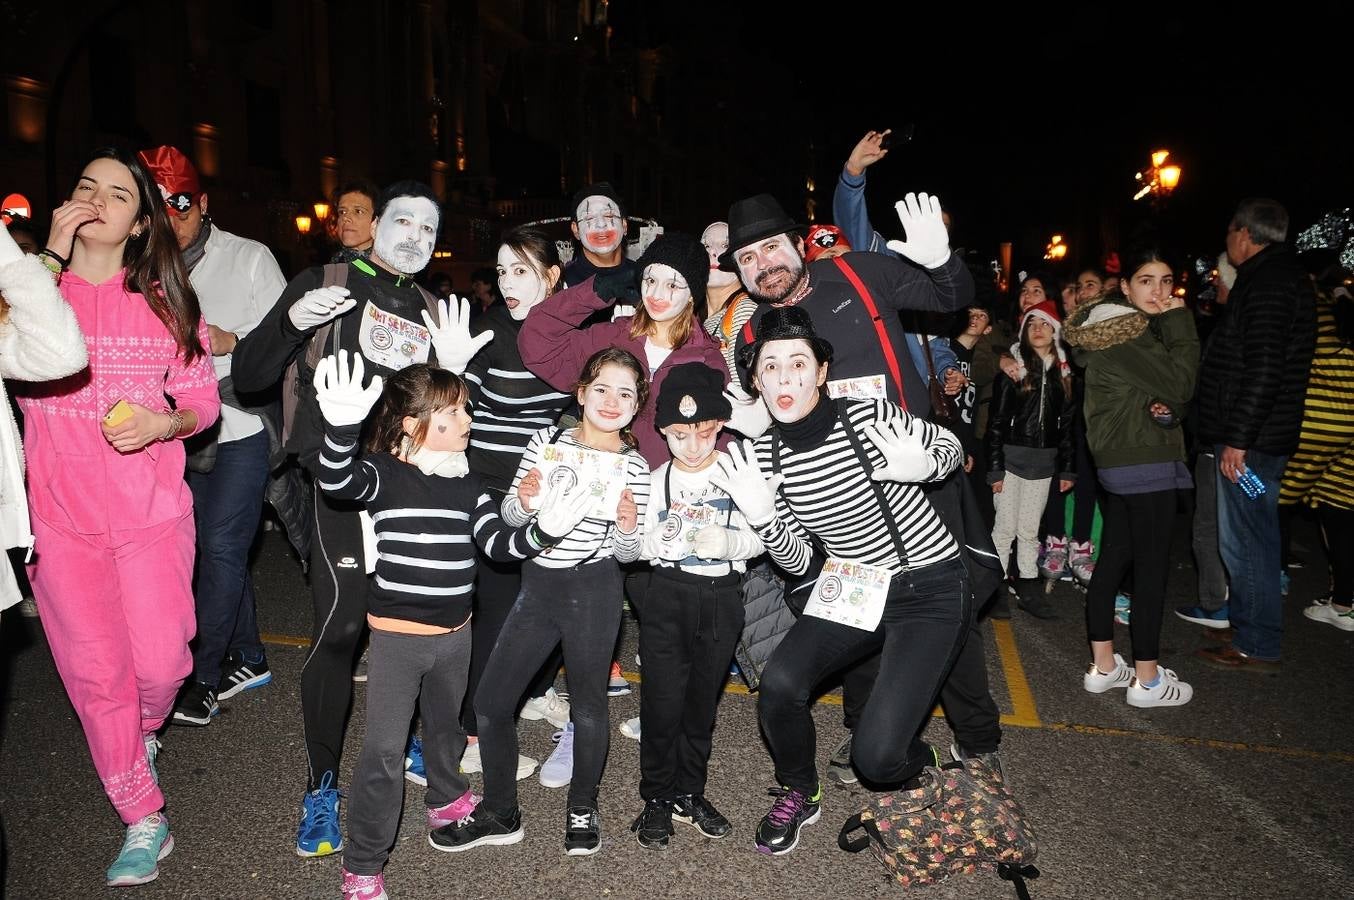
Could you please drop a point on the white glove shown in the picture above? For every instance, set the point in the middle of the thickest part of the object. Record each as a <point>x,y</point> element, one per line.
<point>928,243</point>
<point>750,417</point>
<point>343,400</point>
<point>9,251</point>
<point>560,512</point>
<point>452,342</point>
<point>905,456</point>
<point>712,542</point>
<point>319,306</point>
<point>739,477</point>
<point>620,310</point>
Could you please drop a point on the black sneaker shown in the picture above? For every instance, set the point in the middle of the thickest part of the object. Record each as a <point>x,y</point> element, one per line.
<point>990,759</point>
<point>479,829</point>
<point>242,676</point>
<point>839,767</point>
<point>582,831</point>
<point>197,705</point>
<point>1035,600</point>
<point>654,825</point>
<point>778,832</point>
<point>700,814</point>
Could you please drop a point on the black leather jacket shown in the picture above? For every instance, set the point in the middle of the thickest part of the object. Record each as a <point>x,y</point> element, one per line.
<point>1041,418</point>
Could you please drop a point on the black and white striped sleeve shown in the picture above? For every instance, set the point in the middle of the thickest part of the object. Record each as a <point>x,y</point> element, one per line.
<point>501,541</point>
<point>341,473</point>
<point>513,512</point>
<point>627,547</point>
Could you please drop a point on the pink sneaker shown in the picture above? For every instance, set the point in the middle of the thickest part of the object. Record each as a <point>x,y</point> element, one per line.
<point>364,887</point>
<point>454,811</point>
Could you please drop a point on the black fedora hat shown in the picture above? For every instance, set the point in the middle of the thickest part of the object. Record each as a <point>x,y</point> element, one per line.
<point>783,323</point>
<point>755,219</point>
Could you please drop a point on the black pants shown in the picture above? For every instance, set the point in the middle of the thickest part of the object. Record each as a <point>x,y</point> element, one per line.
<point>926,621</point>
<point>581,609</point>
<point>338,587</point>
<point>1338,527</point>
<point>1137,539</point>
<point>688,627</point>
<point>497,585</point>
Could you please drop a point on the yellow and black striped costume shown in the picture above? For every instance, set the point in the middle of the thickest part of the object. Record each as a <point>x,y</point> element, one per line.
<point>1321,471</point>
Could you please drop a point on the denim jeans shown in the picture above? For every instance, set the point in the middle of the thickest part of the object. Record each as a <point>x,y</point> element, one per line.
<point>227,503</point>
<point>1208,562</point>
<point>926,620</point>
<point>1248,538</point>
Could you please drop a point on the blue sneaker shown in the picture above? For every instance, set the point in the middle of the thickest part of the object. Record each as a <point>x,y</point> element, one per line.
<point>319,834</point>
<point>1200,616</point>
<point>413,762</point>
<point>147,842</point>
<point>1123,607</point>
<point>1283,583</point>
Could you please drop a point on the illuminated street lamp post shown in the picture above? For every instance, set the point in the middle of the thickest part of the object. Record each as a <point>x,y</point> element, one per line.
<point>1159,180</point>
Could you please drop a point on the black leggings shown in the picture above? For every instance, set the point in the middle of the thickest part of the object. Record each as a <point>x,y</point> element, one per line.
<point>1138,539</point>
<point>1338,527</point>
<point>338,587</point>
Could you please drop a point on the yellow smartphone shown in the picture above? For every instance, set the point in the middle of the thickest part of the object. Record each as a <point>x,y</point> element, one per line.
<point>121,412</point>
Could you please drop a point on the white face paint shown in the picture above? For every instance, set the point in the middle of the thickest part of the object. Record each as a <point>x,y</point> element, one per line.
<point>665,292</point>
<point>772,268</point>
<point>406,233</point>
<point>692,446</point>
<point>520,284</point>
<point>788,377</point>
<point>715,238</point>
<point>611,400</point>
<point>600,226</point>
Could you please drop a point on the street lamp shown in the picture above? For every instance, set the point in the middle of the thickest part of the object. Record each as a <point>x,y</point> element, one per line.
<point>322,211</point>
<point>303,225</point>
<point>1159,180</point>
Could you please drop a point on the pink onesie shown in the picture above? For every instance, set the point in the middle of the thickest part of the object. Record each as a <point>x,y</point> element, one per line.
<point>114,552</point>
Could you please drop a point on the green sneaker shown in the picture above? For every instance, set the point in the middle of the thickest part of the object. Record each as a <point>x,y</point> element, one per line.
<point>147,842</point>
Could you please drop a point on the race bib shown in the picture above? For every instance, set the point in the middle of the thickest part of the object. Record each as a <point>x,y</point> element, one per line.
<point>390,341</point>
<point>603,473</point>
<point>850,593</point>
<point>865,387</point>
<point>678,530</point>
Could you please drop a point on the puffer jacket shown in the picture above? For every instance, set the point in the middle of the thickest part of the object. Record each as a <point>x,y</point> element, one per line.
<point>1132,361</point>
<point>766,620</point>
<point>1041,418</point>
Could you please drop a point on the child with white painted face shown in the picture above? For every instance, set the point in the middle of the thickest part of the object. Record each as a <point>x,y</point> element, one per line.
<point>728,305</point>
<point>599,226</point>
<point>692,613</point>
<point>839,480</point>
<point>571,595</point>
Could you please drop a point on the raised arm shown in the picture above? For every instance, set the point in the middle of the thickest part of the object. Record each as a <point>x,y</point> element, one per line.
<point>552,344</point>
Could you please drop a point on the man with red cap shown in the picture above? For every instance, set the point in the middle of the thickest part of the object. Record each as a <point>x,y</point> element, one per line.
<point>236,280</point>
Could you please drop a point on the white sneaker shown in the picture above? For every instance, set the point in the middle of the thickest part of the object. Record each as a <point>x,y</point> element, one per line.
<point>1170,691</point>
<point>551,707</point>
<point>630,728</point>
<point>558,770</point>
<point>1324,611</point>
<point>470,762</point>
<point>1097,682</point>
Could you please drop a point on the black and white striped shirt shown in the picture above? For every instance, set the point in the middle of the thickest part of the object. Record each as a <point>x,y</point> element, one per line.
<point>827,494</point>
<point>510,403</point>
<point>593,539</point>
<point>425,558</point>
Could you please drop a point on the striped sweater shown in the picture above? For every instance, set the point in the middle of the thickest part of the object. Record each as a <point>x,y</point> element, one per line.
<point>425,560</point>
<point>510,403</point>
<point>828,495</point>
<point>593,539</point>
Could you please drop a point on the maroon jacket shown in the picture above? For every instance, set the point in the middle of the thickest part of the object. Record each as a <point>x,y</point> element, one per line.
<point>555,350</point>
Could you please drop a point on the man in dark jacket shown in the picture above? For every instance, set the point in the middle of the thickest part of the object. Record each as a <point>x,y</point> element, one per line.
<point>1251,388</point>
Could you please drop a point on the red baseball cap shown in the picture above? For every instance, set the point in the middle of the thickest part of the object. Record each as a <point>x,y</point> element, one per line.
<point>821,238</point>
<point>174,175</point>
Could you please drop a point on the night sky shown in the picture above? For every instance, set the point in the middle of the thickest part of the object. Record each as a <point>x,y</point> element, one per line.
<point>1027,125</point>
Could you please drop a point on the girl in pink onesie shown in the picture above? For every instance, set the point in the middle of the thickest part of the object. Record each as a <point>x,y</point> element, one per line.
<point>111,511</point>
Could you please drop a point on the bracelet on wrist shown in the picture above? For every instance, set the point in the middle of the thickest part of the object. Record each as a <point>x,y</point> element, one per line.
<point>50,263</point>
<point>56,257</point>
<point>175,426</point>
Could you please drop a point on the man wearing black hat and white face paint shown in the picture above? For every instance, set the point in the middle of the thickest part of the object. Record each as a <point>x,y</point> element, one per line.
<point>766,247</point>
<point>599,226</point>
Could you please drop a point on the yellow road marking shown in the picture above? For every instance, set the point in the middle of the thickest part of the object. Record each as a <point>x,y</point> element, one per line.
<point>1022,700</point>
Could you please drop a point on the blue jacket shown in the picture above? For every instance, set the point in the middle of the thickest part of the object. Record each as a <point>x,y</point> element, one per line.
<point>850,215</point>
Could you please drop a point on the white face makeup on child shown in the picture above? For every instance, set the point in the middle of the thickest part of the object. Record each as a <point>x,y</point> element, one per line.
<point>715,239</point>
<point>406,232</point>
<point>521,284</point>
<point>448,429</point>
<point>789,377</point>
<point>610,401</point>
<point>692,446</point>
<point>665,292</point>
<point>599,224</point>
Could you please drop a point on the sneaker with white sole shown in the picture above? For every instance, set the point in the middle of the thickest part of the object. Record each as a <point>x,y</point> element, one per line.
<point>1169,691</point>
<point>551,707</point>
<point>616,685</point>
<point>1053,564</point>
<point>1081,560</point>
<point>479,829</point>
<point>414,770</point>
<point>1324,611</point>
<point>196,705</point>
<point>1123,607</point>
<point>147,842</point>
<point>454,811</point>
<point>240,675</point>
<point>558,769</point>
<point>471,763</point>
<point>363,887</point>
<point>631,729</point>
<point>582,831</point>
<point>1097,682</point>
<point>1209,618</point>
